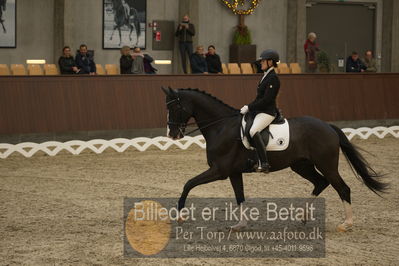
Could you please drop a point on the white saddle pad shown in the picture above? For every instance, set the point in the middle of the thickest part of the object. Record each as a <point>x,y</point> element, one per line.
<point>279,138</point>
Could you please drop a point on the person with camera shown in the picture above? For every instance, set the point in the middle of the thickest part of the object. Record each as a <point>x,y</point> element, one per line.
<point>185,32</point>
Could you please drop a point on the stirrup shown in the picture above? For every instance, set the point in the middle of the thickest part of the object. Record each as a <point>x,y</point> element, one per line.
<point>263,168</point>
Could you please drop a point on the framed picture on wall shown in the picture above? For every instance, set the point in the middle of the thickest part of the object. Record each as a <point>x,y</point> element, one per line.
<point>8,18</point>
<point>124,23</point>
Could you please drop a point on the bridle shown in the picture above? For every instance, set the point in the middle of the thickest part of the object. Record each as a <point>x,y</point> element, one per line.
<point>182,125</point>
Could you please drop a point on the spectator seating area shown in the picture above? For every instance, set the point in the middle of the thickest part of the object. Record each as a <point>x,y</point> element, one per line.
<point>49,69</point>
<point>113,69</point>
<point>247,68</point>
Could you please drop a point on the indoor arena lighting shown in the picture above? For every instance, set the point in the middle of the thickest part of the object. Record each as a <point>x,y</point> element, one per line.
<point>35,61</point>
<point>163,62</point>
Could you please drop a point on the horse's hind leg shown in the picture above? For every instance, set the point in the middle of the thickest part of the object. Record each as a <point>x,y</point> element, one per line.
<point>330,170</point>
<point>307,170</point>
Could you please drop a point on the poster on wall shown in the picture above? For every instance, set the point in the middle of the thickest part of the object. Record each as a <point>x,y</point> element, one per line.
<point>124,23</point>
<point>8,37</point>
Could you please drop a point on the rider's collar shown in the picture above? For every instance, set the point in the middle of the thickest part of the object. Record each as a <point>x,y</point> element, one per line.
<point>266,73</point>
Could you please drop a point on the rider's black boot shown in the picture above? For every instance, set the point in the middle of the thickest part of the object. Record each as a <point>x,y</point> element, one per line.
<point>263,166</point>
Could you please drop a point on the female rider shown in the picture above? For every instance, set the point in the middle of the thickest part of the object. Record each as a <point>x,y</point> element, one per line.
<point>264,106</point>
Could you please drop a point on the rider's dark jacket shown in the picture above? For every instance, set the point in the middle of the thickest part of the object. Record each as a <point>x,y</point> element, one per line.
<point>265,101</point>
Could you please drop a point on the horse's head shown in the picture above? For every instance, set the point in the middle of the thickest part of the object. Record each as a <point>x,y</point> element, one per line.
<point>178,113</point>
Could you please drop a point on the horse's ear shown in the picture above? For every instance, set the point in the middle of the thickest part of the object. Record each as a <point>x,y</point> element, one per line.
<point>166,91</point>
<point>172,91</point>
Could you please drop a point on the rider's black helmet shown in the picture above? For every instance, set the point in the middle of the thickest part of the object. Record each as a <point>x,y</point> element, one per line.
<point>270,54</point>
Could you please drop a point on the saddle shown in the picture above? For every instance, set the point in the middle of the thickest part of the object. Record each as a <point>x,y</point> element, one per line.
<point>249,119</point>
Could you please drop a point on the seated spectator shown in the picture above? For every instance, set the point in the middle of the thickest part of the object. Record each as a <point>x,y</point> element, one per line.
<point>198,61</point>
<point>85,62</point>
<point>148,68</point>
<point>213,61</point>
<point>354,64</point>
<point>126,60</point>
<point>142,62</point>
<point>67,63</point>
<point>370,62</point>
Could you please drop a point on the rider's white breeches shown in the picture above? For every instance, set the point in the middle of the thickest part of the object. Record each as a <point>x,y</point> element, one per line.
<point>261,121</point>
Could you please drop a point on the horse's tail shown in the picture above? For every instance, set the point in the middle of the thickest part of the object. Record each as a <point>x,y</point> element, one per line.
<point>359,165</point>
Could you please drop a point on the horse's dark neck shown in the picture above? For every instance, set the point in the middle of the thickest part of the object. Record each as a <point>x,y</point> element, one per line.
<point>207,110</point>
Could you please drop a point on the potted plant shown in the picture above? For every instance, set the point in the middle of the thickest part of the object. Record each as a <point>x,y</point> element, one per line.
<point>323,61</point>
<point>242,50</point>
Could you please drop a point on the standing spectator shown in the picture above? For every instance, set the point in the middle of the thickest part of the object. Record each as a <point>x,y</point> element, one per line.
<point>185,32</point>
<point>369,62</point>
<point>213,61</point>
<point>67,63</point>
<point>354,64</point>
<point>311,47</point>
<point>84,61</point>
<point>198,61</point>
<point>126,60</point>
<point>141,62</point>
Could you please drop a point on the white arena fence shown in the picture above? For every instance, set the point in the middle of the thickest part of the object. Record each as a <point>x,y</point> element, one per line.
<point>75,147</point>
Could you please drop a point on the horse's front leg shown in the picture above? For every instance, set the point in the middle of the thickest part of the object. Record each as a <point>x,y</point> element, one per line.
<point>112,34</point>
<point>4,28</point>
<point>238,187</point>
<point>131,31</point>
<point>210,175</point>
<point>120,36</point>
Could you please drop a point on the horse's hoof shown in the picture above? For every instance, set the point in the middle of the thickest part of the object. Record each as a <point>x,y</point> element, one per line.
<point>236,228</point>
<point>181,219</point>
<point>344,227</point>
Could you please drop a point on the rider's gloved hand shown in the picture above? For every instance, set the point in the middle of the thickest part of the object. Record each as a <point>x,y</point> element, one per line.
<point>244,109</point>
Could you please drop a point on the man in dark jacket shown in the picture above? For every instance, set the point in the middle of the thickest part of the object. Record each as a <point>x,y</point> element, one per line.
<point>67,63</point>
<point>85,62</point>
<point>198,61</point>
<point>185,32</point>
<point>354,64</point>
<point>213,61</point>
<point>126,60</point>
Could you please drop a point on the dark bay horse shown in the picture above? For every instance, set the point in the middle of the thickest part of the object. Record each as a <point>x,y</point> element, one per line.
<point>2,9</point>
<point>313,151</point>
<point>121,19</point>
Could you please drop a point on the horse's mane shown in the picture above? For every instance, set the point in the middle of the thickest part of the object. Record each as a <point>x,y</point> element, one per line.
<point>210,96</point>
